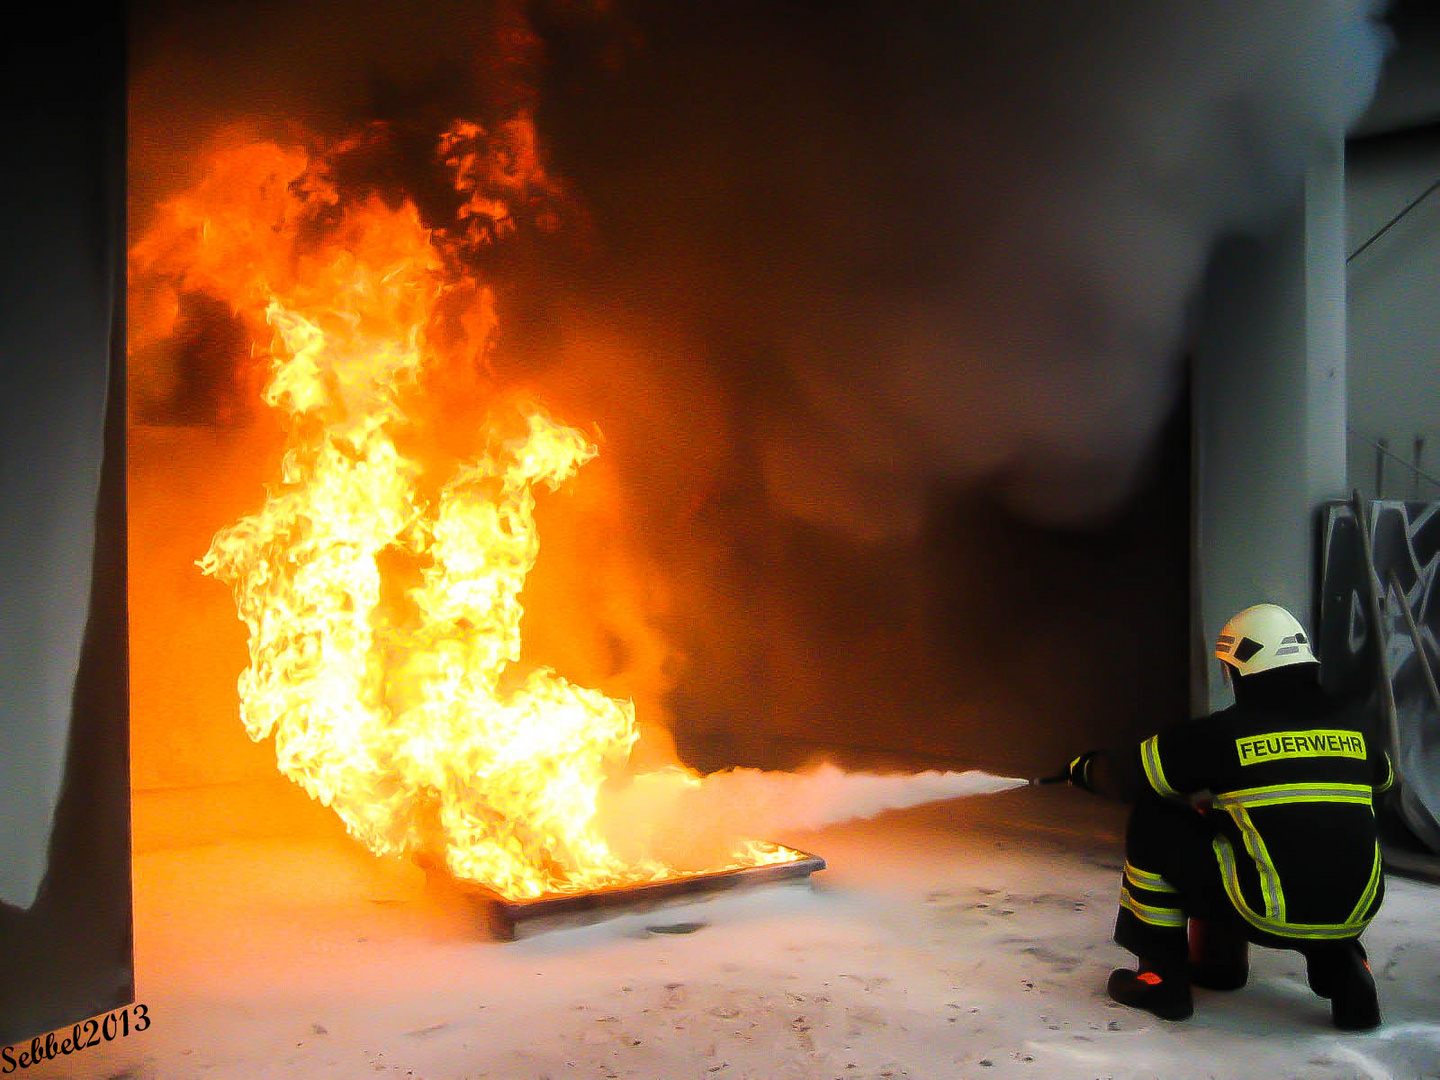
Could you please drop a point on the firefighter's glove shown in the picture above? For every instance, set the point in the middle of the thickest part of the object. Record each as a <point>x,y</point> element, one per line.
<point>1078,772</point>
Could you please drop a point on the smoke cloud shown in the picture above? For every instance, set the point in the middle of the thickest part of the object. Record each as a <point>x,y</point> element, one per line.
<point>694,825</point>
<point>960,242</point>
<point>921,242</point>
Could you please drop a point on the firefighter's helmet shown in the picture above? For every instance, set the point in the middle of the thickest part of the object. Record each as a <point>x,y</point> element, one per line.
<point>1262,638</point>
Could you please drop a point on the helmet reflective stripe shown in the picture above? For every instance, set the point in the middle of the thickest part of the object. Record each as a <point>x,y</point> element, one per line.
<point>1263,637</point>
<point>1290,645</point>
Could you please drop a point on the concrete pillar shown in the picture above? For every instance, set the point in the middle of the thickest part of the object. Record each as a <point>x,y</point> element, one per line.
<point>1325,328</point>
<point>1269,415</point>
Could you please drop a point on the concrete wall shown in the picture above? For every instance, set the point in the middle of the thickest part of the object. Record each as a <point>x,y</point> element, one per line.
<point>1394,315</point>
<point>1269,400</point>
<point>1302,367</point>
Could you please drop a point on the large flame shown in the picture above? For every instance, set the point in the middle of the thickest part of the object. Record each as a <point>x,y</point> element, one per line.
<point>383,601</point>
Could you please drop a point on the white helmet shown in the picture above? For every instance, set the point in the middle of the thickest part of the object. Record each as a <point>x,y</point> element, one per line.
<point>1261,638</point>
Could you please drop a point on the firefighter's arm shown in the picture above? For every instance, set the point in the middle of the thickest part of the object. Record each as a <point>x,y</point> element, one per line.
<point>1170,764</point>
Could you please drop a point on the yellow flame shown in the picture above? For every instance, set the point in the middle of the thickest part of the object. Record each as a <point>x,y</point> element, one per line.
<point>399,720</point>
<point>384,609</point>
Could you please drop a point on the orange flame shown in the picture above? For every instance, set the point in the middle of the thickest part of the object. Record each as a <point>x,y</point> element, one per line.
<point>384,614</point>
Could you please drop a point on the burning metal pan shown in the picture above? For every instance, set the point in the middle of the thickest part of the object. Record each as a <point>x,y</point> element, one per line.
<point>508,919</point>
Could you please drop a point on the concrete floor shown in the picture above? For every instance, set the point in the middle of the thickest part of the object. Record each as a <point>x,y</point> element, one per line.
<point>963,939</point>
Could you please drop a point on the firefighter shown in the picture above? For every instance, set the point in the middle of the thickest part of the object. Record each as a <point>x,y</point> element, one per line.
<point>1255,824</point>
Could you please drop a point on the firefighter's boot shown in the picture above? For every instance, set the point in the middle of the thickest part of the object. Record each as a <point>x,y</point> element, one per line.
<point>1165,993</point>
<point>1341,972</point>
<point>1219,956</point>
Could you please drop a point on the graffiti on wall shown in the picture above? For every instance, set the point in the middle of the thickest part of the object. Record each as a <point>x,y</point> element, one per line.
<point>1405,557</point>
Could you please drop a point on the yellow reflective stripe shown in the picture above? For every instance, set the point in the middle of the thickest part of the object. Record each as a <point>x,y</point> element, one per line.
<point>1155,916</point>
<point>1368,896</point>
<point>1239,803</point>
<point>1312,931</point>
<point>1144,879</point>
<point>1276,794</point>
<point>1154,772</point>
<point>1269,880</point>
<point>1389,774</point>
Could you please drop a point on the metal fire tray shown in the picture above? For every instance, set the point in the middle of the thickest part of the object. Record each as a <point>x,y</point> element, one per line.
<point>509,919</point>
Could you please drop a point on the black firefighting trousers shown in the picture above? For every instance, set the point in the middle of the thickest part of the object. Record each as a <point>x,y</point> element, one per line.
<point>1171,877</point>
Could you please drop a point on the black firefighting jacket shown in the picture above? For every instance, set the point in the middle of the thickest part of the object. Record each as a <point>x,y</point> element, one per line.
<point>1293,795</point>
